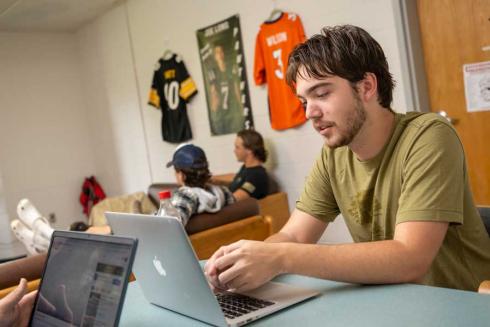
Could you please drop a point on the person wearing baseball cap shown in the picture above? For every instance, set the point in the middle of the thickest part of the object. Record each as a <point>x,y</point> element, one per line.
<point>195,193</point>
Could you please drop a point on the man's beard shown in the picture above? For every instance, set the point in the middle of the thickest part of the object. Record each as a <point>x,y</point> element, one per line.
<point>354,123</point>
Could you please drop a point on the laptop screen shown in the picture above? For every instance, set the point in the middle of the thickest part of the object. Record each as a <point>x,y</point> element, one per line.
<point>83,282</point>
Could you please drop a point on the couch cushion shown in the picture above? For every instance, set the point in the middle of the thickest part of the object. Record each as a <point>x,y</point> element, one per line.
<point>236,211</point>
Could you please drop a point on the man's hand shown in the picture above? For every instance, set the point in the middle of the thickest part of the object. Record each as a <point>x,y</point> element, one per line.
<point>212,271</point>
<point>16,307</point>
<point>244,265</point>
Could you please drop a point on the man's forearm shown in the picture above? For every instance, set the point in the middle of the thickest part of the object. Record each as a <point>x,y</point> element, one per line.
<point>366,263</point>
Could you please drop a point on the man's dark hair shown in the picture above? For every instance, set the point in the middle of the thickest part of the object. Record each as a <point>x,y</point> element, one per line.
<point>195,177</point>
<point>254,142</point>
<point>346,51</point>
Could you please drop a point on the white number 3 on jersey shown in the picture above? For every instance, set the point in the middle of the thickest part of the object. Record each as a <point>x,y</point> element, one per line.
<point>279,71</point>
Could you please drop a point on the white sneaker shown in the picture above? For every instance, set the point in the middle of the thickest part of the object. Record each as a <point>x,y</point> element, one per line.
<point>34,242</point>
<point>33,219</point>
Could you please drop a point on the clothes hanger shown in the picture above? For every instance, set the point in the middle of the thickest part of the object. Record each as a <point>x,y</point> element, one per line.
<point>167,54</point>
<point>275,14</point>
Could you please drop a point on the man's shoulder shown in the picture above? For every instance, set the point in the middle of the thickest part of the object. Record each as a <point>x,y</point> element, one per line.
<point>422,119</point>
<point>429,125</point>
<point>258,168</point>
<point>257,172</point>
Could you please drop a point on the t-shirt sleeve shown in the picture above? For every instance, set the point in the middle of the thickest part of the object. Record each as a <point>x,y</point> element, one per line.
<point>251,182</point>
<point>433,177</point>
<point>259,64</point>
<point>187,86</point>
<point>153,97</point>
<point>317,198</point>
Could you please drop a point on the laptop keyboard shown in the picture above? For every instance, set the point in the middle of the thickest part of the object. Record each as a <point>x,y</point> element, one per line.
<point>236,305</point>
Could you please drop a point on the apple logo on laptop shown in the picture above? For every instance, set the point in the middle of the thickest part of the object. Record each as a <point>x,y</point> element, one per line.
<point>158,266</point>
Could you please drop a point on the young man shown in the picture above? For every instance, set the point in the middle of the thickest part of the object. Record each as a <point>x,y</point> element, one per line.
<point>195,194</point>
<point>251,180</point>
<point>399,180</point>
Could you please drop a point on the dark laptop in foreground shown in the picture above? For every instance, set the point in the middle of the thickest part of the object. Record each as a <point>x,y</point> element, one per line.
<point>84,280</point>
<point>171,277</point>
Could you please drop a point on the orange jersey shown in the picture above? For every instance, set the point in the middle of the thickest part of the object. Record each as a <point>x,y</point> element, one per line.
<point>274,43</point>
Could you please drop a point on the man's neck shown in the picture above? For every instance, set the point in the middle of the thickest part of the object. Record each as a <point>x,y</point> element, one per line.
<point>374,134</point>
<point>250,162</point>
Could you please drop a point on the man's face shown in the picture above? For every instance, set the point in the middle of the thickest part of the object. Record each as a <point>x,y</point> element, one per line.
<point>240,150</point>
<point>219,54</point>
<point>334,108</point>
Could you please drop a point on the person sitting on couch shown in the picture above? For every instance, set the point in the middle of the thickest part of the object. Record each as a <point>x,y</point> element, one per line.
<point>251,180</point>
<point>195,194</point>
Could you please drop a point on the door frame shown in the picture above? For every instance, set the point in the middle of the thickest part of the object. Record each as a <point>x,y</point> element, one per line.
<point>409,41</point>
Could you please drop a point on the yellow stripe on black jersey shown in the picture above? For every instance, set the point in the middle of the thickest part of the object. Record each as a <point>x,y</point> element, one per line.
<point>187,88</point>
<point>154,99</point>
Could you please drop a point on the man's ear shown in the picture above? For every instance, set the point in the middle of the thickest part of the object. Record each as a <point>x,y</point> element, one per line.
<point>368,87</point>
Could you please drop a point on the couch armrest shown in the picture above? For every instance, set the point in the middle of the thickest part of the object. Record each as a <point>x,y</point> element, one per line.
<point>205,243</point>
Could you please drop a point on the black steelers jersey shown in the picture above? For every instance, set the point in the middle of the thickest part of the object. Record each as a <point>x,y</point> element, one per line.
<point>171,89</point>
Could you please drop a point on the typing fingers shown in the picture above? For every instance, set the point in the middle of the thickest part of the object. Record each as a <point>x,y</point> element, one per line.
<point>210,267</point>
<point>226,276</point>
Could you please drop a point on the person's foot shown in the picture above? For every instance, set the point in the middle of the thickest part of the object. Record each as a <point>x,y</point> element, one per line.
<point>34,243</point>
<point>33,219</point>
<point>28,213</point>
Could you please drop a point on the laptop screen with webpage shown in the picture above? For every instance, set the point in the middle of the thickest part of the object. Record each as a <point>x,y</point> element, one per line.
<point>84,280</point>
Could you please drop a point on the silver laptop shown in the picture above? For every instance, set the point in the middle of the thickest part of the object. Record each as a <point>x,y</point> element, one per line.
<point>171,277</point>
<point>84,280</point>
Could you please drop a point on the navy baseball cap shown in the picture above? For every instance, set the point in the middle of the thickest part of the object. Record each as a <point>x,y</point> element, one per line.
<point>188,156</point>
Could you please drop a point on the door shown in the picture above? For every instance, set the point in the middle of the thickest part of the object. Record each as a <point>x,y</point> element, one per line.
<point>453,33</point>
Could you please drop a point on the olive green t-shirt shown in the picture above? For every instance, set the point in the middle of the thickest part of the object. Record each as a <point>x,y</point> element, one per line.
<point>420,175</point>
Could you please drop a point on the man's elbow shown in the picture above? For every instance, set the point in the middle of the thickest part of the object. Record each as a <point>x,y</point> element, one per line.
<point>415,270</point>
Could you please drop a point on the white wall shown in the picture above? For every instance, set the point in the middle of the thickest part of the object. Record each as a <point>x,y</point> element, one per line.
<point>113,105</point>
<point>5,235</point>
<point>121,48</point>
<point>44,136</point>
